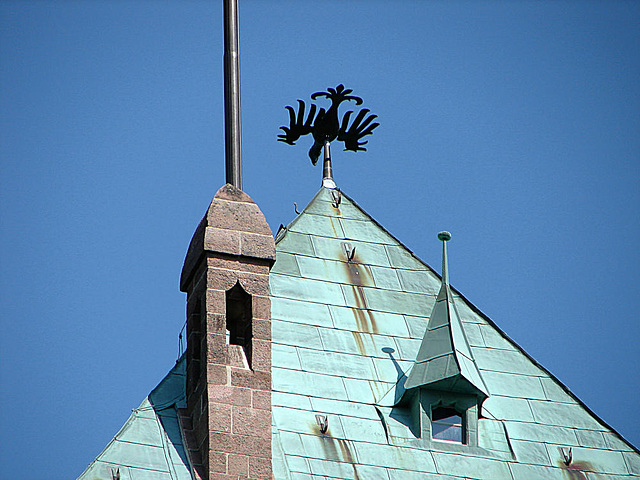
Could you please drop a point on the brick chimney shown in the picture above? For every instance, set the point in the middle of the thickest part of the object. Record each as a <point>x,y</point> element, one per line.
<point>227,423</point>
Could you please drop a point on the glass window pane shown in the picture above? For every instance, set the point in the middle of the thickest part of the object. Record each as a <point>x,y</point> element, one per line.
<point>446,425</point>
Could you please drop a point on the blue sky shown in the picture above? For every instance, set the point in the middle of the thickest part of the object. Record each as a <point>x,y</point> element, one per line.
<point>514,125</point>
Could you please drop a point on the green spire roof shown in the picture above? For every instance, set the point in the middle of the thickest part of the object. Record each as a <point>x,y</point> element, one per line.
<point>444,360</point>
<point>350,305</point>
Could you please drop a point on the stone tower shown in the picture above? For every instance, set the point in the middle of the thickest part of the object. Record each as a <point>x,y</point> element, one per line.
<point>228,386</point>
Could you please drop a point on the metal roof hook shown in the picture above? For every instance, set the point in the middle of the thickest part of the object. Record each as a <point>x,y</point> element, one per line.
<point>295,208</point>
<point>349,251</point>
<point>323,423</point>
<point>337,198</point>
<point>567,455</point>
<point>115,473</point>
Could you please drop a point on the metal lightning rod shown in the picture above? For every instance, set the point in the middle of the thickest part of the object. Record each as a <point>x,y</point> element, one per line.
<point>232,130</point>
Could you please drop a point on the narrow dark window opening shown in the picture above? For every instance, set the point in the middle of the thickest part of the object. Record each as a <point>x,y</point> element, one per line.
<point>239,316</point>
<point>447,425</point>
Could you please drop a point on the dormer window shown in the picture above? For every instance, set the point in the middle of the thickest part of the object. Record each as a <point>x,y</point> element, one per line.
<point>449,418</point>
<point>447,425</point>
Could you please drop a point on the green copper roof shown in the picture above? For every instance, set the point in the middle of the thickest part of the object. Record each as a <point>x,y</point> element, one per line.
<point>350,308</point>
<point>149,445</point>
<point>444,359</point>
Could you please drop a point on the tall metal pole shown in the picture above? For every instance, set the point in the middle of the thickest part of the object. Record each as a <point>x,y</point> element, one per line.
<point>232,130</point>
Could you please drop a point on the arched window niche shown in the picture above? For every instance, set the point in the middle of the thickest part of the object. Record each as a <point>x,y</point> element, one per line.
<point>239,316</point>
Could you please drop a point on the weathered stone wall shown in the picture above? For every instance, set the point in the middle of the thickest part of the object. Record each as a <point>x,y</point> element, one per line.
<point>228,391</point>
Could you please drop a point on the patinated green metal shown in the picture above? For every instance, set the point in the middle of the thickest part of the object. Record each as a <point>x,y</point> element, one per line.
<point>444,359</point>
<point>350,307</point>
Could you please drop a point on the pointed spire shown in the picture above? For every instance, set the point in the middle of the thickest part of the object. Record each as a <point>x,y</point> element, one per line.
<point>444,361</point>
<point>327,170</point>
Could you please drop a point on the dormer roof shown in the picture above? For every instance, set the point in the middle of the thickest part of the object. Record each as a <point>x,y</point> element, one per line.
<point>444,360</point>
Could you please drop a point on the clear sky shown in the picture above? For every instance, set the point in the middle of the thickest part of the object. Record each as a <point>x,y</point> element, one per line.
<point>514,125</point>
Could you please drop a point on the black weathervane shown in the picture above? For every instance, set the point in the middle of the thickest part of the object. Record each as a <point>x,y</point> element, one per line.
<point>325,126</point>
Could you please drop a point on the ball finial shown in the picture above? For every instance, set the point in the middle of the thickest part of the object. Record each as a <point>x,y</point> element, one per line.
<point>444,236</point>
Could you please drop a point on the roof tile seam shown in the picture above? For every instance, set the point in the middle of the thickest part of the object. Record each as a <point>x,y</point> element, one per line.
<point>341,377</point>
<point>314,410</point>
<point>358,354</point>
<point>136,467</point>
<point>369,264</point>
<point>344,305</point>
<point>372,287</point>
<point>331,398</point>
<point>484,369</point>
<point>515,374</point>
<point>376,337</point>
<point>573,429</point>
<point>337,260</point>
<point>129,442</point>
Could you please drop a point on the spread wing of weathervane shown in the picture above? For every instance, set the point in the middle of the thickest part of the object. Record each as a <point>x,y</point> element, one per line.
<point>325,126</point>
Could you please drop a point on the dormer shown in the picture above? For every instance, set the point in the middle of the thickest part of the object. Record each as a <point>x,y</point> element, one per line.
<point>444,388</point>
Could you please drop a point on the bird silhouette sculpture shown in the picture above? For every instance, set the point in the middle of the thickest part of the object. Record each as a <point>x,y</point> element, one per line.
<point>325,125</point>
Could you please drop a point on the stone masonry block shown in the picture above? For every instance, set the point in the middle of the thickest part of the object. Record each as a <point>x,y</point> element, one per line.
<point>251,421</point>
<point>261,307</point>
<point>230,395</point>
<point>232,194</point>
<point>260,468</point>
<point>256,380</point>
<point>216,301</point>
<point>236,357</point>
<point>242,444</point>
<point>261,355</point>
<point>239,216</point>
<point>217,349</point>
<point>255,245</point>
<point>254,284</point>
<point>223,241</point>
<point>219,417</point>
<point>217,374</point>
<point>216,323</point>
<point>230,262</point>
<point>221,278</point>
<point>198,283</point>
<point>224,476</point>
<point>261,329</point>
<point>261,400</point>
<point>238,465</point>
<point>218,462</point>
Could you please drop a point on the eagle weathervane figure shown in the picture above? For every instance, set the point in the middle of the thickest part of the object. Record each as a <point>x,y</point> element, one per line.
<point>326,127</point>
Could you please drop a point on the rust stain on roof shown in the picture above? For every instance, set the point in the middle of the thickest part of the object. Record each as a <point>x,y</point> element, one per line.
<point>359,275</point>
<point>365,319</point>
<point>579,470</point>
<point>330,450</point>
